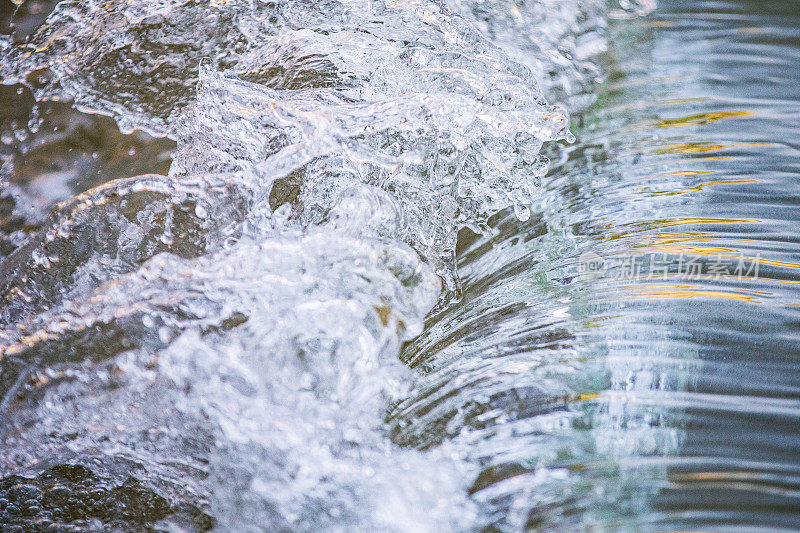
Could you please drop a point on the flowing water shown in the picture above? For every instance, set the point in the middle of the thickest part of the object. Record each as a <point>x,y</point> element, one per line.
<point>355,297</point>
<point>627,358</point>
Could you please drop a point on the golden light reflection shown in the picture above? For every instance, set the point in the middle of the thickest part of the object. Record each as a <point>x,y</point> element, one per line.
<point>702,146</point>
<point>661,276</point>
<point>679,101</point>
<point>692,288</point>
<point>588,396</point>
<point>693,236</point>
<point>713,251</point>
<point>703,251</point>
<point>712,476</point>
<point>598,322</point>
<point>678,291</point>
<point>670,222</point>
<point>666,222</point>
<point>648,225</point>
<point>701,186</point>
<point>689,172</point>
<point>638,104</point>
<point>702,118</point>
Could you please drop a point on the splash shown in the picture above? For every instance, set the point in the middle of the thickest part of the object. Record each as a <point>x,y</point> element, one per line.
<point>246,311</point>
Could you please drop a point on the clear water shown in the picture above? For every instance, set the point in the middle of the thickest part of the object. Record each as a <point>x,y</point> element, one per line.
<point>645,393</point>
<point>311,323</point>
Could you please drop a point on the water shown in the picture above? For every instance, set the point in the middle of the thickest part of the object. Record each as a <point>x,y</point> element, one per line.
<point>225,346</point>
<point>658,390</point>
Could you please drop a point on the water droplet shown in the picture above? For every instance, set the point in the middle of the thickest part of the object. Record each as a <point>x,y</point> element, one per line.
<point>522,211</point>
<point>164,334</point>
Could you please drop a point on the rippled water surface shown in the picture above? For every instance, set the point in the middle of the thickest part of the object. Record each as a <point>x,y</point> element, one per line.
<point>658,390</point>
<point>318,274</point>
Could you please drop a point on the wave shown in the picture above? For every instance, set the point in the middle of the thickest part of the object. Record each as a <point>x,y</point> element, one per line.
<point>253,303</point>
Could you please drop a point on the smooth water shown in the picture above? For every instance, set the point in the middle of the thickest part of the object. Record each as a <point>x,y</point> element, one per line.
<point>224,346</point>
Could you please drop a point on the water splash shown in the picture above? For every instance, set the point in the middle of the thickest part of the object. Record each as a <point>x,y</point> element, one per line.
<point>246,312</point>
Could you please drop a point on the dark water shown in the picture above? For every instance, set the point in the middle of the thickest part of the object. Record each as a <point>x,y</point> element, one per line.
<point>625,359</point>
<point>628,358</point>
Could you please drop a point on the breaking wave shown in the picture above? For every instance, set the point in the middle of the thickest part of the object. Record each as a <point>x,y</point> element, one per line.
<point>233,328</point>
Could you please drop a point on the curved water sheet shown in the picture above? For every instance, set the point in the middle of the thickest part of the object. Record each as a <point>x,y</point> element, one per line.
<point>626,359</point>
<point>219,346</point>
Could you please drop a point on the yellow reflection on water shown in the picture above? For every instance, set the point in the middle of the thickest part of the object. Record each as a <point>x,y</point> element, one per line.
<point>689,172</point>
<point>702,146</point>
<point>668,222</point>
<point>692,236</point>
<point>662,276</point>
<point>643,289</point>
<point>679,101</point>
<point>702,118</point>
<point>714,251</point>
<point>685,291</point>
<point>708,476</point>
<point>588,396</point>
<point>647,225</point>
<point>701,186</point>
<point>703,251</point>
<point>598,321</point>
